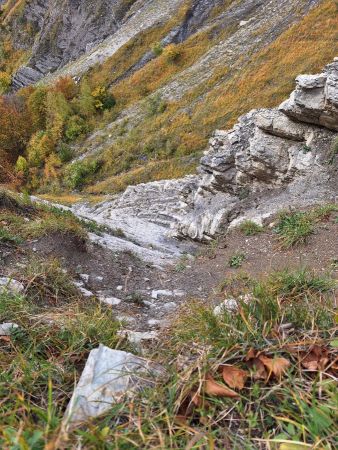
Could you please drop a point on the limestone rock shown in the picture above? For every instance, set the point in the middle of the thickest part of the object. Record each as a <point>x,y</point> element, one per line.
<point>109,376</point>
<point>315,99</point>
<point>281,150</point>
<point>7,328</point>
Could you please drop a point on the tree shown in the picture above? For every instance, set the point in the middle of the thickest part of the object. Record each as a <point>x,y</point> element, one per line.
<point>15,127</point>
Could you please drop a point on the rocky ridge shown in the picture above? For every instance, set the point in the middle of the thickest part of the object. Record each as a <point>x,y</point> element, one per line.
<point>272,159</point>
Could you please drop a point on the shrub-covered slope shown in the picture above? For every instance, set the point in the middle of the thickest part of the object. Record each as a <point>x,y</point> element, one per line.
<point>150,95</point>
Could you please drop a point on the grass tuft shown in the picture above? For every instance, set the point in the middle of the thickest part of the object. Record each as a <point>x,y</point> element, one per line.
<point>250,228</point>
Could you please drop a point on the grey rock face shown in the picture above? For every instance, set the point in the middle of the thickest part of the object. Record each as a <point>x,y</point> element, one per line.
<point>274,150</point>
<point>315,99</point>
<point>68,29</point>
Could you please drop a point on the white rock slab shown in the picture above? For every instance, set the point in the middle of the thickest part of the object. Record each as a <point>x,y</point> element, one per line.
<point>109,375</point>
<point>110,301</point>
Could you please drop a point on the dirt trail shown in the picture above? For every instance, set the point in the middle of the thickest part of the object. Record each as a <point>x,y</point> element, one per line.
<point>145,298</point>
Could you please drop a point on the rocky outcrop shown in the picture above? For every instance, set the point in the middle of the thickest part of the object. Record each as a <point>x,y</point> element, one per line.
<point>68,29</point>
<point>315,99</point>
<point>276,150</point>
<point>267,162</point>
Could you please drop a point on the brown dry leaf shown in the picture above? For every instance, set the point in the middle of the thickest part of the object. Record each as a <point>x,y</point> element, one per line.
<point>234,377</point>
<point>276,366</point>
<point>197,399</point>
<point>5,338</point>
<point>251,354</point>
<point>260,372</point>
<point>211,387</point>
<point>256,364</point>
<point>315,359</point>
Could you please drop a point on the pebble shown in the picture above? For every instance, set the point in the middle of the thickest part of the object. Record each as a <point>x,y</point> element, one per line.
<point>136,337</point>
<point>111,301</point>
<point>119,288</point>
<point>13,286</point>
<point>7,328</point>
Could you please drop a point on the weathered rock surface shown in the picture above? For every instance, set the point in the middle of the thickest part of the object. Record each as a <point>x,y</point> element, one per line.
<point>271,159</point>
<point>109,375</point>
<point>68,29</point>
<point>141,217</point>
<point>315,99</point>
<point>267,162</point>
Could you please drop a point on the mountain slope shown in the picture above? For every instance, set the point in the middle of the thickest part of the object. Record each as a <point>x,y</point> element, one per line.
<point>177,70</point>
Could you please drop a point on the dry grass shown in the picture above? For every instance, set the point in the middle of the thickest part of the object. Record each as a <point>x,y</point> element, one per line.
<point>265,81</point>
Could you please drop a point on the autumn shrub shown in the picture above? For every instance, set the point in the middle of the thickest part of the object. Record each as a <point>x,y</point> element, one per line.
<point>172,54</point>
<point>67,86</point>
<point>103,99</point>
<point>75,127</point>
<point>5,82</point>
<point>80,172</point>
<point>39,147</point>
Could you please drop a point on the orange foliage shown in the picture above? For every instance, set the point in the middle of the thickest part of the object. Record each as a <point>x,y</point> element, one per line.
<point>15,127</point>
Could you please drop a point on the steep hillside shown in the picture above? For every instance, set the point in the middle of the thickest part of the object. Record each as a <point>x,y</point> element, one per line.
<point>168,224</point>
<point>152,84</point>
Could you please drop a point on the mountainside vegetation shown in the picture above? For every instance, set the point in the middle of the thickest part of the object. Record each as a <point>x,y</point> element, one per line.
<point>53,120</point>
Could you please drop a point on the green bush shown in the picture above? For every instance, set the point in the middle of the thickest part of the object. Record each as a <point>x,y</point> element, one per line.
<point>21,165</point>
<point>157,49</point>
<point>79,173</point>
<point>75,127</point>
<point>294,228</point>
<point>250,228</point>
<point>65,153</point>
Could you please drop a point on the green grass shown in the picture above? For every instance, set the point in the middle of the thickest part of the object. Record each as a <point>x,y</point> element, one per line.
<point>250,228</point>
<point>295,228</point>
<point>47,353</point>
<point>22,220</point>
<point>7,237</point>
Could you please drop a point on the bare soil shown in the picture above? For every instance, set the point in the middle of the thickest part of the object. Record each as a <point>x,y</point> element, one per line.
<point>129,279</point>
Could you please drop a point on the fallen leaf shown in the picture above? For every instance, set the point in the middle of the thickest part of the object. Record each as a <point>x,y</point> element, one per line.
<point>317,358</point>
<point>276,366</point>
<point>211,387</point>
<point>260,372</point>
<point>197,399</point>
<point>234,377</point>
<point>251,354</point>
<point>5,338</point>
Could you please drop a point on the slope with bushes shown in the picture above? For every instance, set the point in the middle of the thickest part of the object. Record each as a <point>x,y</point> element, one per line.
<point>150,108</point>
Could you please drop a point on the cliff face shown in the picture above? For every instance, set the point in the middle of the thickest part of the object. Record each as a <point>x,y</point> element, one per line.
<point>64,30</point>
<point>82,33</point>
